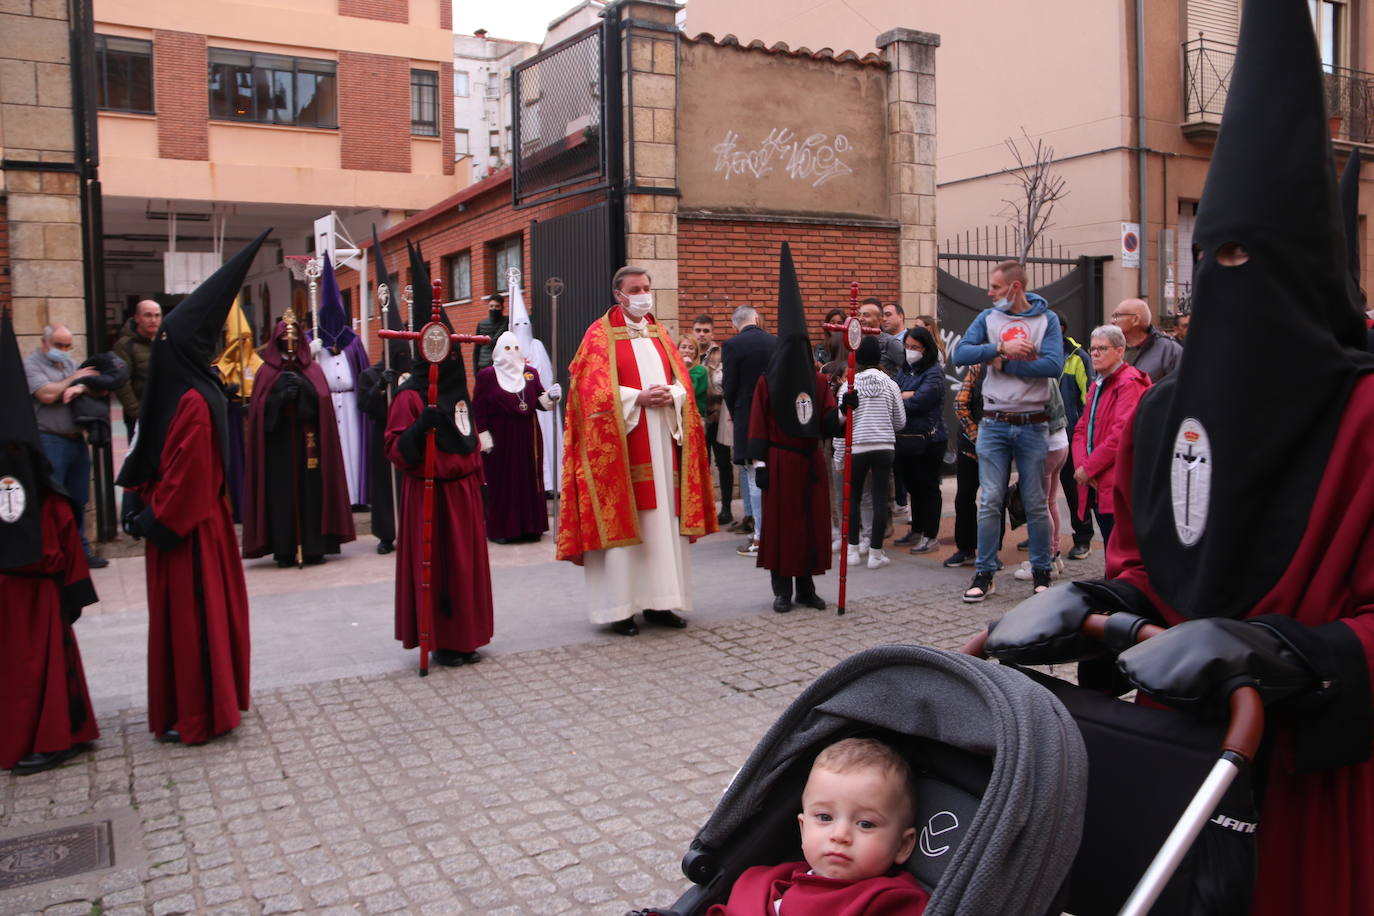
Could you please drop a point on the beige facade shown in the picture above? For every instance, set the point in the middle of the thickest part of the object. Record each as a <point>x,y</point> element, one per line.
<point>1065,71</point>
<point>219,167</point>
<point>40,211</point>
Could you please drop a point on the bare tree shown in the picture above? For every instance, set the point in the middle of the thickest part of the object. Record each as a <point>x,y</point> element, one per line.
<point>1040,189</point>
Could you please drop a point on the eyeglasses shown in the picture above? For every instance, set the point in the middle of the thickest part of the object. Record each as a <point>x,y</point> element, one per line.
<point>1100,349</point>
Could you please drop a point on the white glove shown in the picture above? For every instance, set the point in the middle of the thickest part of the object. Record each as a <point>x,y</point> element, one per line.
<point>485,442</point>
<point>554,391</point>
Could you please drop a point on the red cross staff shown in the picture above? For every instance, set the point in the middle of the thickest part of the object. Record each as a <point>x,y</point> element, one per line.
<point>852,331</point>
<point>435,344</point>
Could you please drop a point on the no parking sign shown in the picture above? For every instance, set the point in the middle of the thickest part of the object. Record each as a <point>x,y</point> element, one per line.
<point>1130,244</point>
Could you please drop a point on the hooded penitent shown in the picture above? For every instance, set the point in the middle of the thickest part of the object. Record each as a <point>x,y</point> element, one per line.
<point>508,359</point>
<point>1228,454</point>
<point>239,363</point>
<point>25,475</point>
<point>336,331</point>
<point>456,434</point>
<point>398,350</point>
<point>791,370</point>
<point>186,343</point>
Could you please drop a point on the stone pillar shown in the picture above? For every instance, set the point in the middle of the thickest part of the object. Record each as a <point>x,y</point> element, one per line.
<point>38,176</point>
<point>911,162</point>
<point>649,56</point>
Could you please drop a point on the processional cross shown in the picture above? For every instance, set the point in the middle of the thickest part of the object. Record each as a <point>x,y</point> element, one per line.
<point>852,331</point>
<point>435,343</point>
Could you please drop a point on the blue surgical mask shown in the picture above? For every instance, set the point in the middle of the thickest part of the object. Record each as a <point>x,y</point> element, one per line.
<point>57,356</point>
<point>1003,305</point>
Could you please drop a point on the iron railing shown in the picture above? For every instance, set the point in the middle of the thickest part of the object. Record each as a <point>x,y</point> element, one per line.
<point>1207,66</point>
<point>558,117</point>
<point>973,254</point>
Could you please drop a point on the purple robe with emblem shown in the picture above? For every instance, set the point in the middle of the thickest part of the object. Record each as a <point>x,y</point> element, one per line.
<point>514,468</point>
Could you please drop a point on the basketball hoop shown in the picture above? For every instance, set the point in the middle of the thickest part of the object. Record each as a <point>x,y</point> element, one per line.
<point>297,264</point>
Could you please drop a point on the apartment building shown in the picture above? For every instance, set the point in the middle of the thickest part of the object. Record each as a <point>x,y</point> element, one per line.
<point>1132,114</point>
<point>217,120</point>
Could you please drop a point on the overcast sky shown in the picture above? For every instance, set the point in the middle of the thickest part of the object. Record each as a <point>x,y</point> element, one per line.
<point>522,20</point>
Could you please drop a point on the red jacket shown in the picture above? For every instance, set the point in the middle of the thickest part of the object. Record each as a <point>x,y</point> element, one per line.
<point>1116,397</point>
<point>811,895</point>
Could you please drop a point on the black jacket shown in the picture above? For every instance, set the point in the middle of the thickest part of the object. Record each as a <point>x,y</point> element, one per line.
<point>744,358</point>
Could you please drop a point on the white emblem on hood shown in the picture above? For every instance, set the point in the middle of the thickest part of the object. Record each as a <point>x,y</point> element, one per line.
<point>804,408</point>
<point>461,419</point>
<point>12,499</point>
<point>1190,481</point>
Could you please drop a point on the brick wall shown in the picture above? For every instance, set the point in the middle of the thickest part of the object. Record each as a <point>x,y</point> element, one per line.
<point>382,10</point>
<point>183,108</point>
<point>374,112</point>
<point>486,217</point>
<point>6,291</point>
<point>446,114</point>
<point>723,264</point>
<point>446,14</point>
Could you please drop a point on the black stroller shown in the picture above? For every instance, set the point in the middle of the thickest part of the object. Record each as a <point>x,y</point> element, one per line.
<point>1004,793</point>
<point>1001,774</point>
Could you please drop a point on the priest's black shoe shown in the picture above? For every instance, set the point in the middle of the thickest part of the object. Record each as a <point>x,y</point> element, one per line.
<point>385,547</point>
<point>37,763</point>
<point>781,605</point>
<point>665,619</point>
<point>625,627</point>
<point>95,562</point>
<point>170,736</point>
<point>812,600</point>
<point>449,658</point>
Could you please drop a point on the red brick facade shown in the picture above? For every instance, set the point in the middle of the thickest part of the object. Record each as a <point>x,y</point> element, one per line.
<point>381,10</point>
<point>723,264</point>
<point>446,14</point>
<point>6,291</point>
<point>446,113</point>
<point>444,231</point>
<point>183,107</point>
<point>374,112</point>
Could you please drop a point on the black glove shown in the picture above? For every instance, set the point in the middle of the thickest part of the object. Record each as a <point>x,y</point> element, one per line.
<point>1199,663</point>
<point>129,509</point>
<point>850,400</point>
<point>389,376</point>
<point>291,385</point>
<point>1047,628</point>
<point>761,476</point>
<point>231,390</point>
<point>430,418</point>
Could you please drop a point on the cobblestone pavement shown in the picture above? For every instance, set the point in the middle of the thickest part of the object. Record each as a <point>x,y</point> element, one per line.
<point>563,779</point>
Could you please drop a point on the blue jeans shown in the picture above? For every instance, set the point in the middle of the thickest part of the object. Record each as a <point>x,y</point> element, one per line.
<point>752,496</point>
<point>998,444</point>
<point>71,467</point>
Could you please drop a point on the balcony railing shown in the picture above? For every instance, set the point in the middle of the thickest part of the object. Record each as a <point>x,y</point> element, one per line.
<point>1207,67</point>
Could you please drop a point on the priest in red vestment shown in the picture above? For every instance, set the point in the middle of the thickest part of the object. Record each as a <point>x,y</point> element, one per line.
<point>506,400</point>
<point>460,583</point>
<point>636,479</point>
<point>1244,498</point>
<point>198,643</point>
<point>44,583</point>
<point>294,460</point>
<point>793,410</point>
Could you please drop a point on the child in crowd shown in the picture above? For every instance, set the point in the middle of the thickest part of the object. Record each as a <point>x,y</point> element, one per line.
<point>856,831</point>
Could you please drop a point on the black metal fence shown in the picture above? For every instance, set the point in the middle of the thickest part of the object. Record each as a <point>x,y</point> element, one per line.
<point>559,115</point>
<point>1207,67</point>
<point>972,255</point>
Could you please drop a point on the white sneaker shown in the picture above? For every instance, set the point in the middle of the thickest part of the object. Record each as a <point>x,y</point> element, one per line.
<point>863,545</point>
<point>853,558</point>
<point>1023,572</point>
<point>877,559</point>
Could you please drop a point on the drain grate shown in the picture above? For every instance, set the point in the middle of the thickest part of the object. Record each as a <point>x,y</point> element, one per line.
<point>40,857</point>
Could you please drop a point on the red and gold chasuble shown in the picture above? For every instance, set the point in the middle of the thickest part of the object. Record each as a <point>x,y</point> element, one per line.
<point>607,474</point>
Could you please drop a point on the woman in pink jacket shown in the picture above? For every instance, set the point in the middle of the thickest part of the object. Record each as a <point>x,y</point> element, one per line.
<point>1111,404</point>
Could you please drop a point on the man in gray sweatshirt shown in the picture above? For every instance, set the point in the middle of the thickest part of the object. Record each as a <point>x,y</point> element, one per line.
<point>1022,346</point>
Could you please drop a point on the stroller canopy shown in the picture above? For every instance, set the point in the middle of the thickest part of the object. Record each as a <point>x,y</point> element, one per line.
<point>1012,852</point>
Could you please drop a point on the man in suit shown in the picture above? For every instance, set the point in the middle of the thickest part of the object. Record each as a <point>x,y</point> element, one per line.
<point>744,358</point>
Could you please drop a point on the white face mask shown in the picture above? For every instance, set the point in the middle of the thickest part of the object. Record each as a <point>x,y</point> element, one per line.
<point>914,356</point>
<point>639,305</point>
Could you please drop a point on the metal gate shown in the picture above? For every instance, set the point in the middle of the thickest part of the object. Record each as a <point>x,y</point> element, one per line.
<point>578,248</point>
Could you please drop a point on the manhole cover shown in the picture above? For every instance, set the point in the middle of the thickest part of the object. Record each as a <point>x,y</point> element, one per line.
<point>55,854</point>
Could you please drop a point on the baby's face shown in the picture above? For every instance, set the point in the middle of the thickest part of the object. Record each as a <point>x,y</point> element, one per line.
<point>855,825</point>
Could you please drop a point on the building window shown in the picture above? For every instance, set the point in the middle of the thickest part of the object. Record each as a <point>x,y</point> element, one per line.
<point>124,74</point>
<point>493,85</point>
<point>505,255</point>
<point>1330,20</point>
<point>273,89</point>
<point>494,144</point>
<point>460,275</point>
<point>460,84</point>
<point>424,103</point>
<point>461,145</point>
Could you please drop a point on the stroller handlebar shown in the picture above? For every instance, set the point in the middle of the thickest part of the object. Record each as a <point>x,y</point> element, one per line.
<point>1247,710</point>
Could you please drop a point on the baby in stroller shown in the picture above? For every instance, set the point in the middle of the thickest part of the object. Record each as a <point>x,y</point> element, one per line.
<point>858,810</point>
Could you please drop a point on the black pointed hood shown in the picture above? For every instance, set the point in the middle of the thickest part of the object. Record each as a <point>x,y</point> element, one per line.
<point>186,343</point>
<point>791,370</point>
<point>25,475</point>
<point>1350,211</point>
<point>1228,455</point>
<point>453,380</point>
<point>398,349</point>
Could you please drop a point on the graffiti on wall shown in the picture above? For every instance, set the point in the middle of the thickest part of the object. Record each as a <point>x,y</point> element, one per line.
<point>814,158</point>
